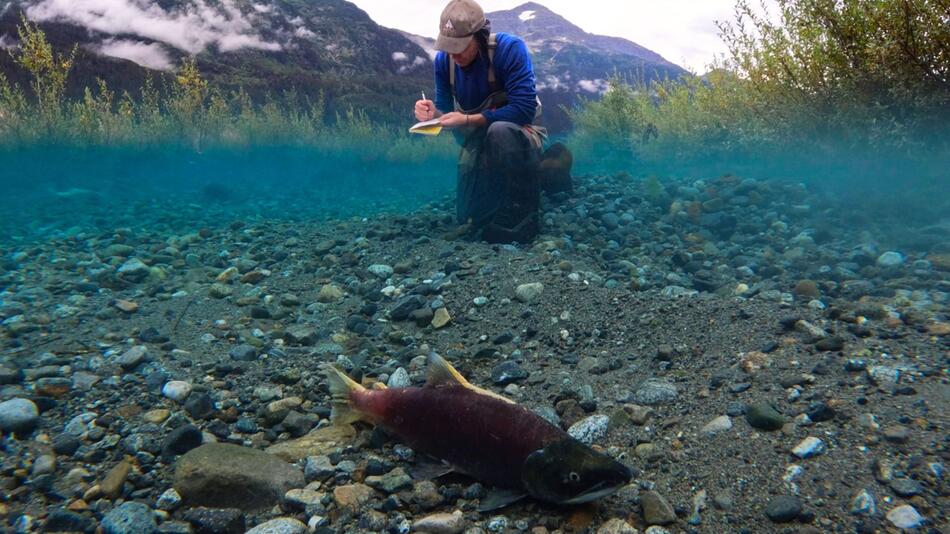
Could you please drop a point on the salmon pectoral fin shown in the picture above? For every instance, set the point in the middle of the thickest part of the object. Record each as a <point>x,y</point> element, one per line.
<point>498,498</point>
<point>342,389</point>
<point>441,373</point>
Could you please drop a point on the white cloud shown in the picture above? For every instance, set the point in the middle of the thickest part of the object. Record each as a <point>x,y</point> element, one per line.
<point>6,7</point>
<point>400,56</point>
<point>192,27</point>
<point>304,33</point>
<point>151,55</point>
<point>296,21</point>
<point>525,16</point>
<point>419,60</point>
<point>262,8</point>
<point>8,42</point>
<point>597,86</point>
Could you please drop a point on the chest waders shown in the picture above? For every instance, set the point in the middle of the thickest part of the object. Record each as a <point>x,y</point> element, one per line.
<point>498,181</point>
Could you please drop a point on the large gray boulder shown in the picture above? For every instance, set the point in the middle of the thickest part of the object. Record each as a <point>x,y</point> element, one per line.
<point>221,475</point>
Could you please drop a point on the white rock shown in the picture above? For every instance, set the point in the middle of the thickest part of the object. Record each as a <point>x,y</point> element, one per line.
<point>399,379</point>
<point>809,447</point>
<point>905,516</point>
<point>441,523</point>
<point>529,292</point>
<point>280,525</point>
<point>18,415</point>
<point>590,429</point>
<point>169,501</point>
<point>177,390</point>
<point>890,259</point>
<point>717,425</point>
<point>381,271</point>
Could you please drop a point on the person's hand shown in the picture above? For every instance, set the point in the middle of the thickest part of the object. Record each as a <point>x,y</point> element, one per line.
<point>425,110</point>
<point>454,119</point>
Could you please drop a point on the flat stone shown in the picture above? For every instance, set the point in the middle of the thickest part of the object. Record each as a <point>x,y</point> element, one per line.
<point>441,523</point>
<point>656,510</point>
<point>441,318</point>
<point>616,526</point>
<point>352,496</point>
<point>528,293</point>
<point>280,525</point>
<point>764,417</point>
<point>507,372</point>
<point>720,424</point>
<point>18,415</point>
<point>217,474</point>
<point>783,509</point>
<point>896,433</point>
<point>216,520</point>
<point>112,483</point>
<point>129,518</point>
<point>905,516</point>
<point>381,271</point>
<point>655,391</point>
<point>131,358</point>
<point>176,390</point>
<point>391,482</point>
<point>181,440</point>
<point>329,293</point>
<point>809,447</point>
<point>320,441</point>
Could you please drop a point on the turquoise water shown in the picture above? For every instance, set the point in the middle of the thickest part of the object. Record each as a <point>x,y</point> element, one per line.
<point>49,192</point>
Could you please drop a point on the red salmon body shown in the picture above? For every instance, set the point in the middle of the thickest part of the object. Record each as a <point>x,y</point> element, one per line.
<point>481,435</point>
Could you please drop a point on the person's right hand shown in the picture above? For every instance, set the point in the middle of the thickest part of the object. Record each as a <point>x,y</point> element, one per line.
<point>425,110</point>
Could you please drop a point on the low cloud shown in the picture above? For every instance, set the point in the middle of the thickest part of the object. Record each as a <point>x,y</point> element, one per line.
<point>191,28</point>
<point>150,55</point>
<point>400,56</point>
<point>8,42</point>
<point>304,33</point>
<point>597,86</point>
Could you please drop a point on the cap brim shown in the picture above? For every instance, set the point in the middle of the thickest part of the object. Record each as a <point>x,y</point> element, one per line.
<point>452,45</point>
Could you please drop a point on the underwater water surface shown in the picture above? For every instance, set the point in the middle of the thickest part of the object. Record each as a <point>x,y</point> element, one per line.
<point>55,191</point>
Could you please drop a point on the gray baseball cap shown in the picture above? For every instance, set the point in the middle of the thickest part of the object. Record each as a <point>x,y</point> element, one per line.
<point>459,22</point>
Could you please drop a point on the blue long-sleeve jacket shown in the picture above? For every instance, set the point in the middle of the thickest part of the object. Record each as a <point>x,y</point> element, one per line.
<point>513,72</point>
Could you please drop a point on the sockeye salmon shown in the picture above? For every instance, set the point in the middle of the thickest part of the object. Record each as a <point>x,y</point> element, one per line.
<point>481,434</point>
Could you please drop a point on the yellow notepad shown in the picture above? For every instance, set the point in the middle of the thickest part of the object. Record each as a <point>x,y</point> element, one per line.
<point>430,127</point>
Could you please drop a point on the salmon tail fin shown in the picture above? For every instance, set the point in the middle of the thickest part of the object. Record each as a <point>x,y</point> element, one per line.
<point>341,388</point>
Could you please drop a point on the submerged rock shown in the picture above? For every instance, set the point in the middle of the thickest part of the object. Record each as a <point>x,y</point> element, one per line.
<point>217,474</point>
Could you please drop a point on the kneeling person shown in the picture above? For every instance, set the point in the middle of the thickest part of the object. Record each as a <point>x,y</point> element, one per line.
<point>485,90</point>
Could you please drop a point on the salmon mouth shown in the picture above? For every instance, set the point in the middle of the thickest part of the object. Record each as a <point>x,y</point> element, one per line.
<point>596,492</point>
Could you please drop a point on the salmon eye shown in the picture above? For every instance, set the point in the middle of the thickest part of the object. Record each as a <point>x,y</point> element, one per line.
<point>573,477</point>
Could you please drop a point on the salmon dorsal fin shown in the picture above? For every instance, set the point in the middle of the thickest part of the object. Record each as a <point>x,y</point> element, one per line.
<point>441,373</point>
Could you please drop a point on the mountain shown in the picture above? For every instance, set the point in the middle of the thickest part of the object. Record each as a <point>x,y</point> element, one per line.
<point>569,63</point>
<point>265,46</point>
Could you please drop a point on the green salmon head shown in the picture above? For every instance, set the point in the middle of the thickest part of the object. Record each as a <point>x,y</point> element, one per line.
<point>569,472</point>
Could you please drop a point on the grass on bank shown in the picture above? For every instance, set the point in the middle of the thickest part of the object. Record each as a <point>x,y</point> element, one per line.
<point>184,111</point>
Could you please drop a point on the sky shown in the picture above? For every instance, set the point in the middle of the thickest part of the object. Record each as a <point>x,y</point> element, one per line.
<point>682,31</point>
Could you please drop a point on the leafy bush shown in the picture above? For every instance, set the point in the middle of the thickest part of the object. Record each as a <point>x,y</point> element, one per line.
<point>862,79</point>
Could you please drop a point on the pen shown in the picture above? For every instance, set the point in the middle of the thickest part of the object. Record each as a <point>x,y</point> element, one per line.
<point>423,95</point>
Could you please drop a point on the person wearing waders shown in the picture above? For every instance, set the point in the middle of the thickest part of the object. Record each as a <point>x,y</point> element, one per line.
<point>485,92</point>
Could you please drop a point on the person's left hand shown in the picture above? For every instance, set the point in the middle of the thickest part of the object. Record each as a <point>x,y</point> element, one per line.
<point>454,119</point>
